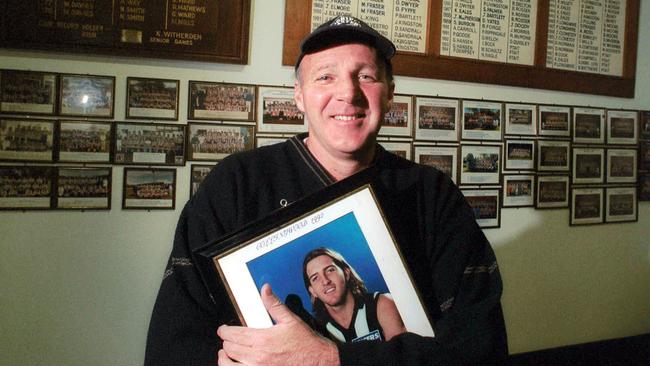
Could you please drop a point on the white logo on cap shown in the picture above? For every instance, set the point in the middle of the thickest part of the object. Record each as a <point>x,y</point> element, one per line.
<point>346,20</point>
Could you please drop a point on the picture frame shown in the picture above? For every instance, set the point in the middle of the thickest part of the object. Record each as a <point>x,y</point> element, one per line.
<point>644,125</point>
<point>344,218</point>
<point>588,125</point>
<point>86,95</point>
<point>277,111</point>
<point>28,140</point>
<point>27,187</point>
<point>622,127</point>
<point>552,192</point>
<point>518,190</point>
<point>481,164</point>
<point>218,101</point>
<point>554,121</point>
<point>198,173</point>
<point>644,156</point>
<point>621,204</point>
<point>643,185</point>
<point>139,143</point>
<point>521,119</point>
<point>520,155</point>
<point>621,165</point>
<point>213,142</point>
<point>437,119</point>
<point>481,120</point>
<point>400,148</point>
<point>486,204</point>
<point>443,158</point>
<point>84,141</point>
<point>151,98</point>
<point>149,188</point>
<point>28,92</point>
<point>269,140</point>
<point>586,206</point>
<point>83,188</point>
<point>398,121</point>
<point>553,155</point>
<point>588,165</point>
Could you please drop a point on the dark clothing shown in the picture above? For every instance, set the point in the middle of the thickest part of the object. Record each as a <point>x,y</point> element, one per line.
<point>364,324</point>
<point>449,258</point>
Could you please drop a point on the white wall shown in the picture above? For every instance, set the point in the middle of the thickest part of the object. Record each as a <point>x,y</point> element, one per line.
<point>77,288</point>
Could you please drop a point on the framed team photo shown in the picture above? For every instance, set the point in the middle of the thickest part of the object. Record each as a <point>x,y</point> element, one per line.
<point>197,176</point>
<point>149,143</point>
<point>341,228</point>
<point>481,120</point>
<point>27,140</point>
<point>520,155</point>
<point>588,165</point>
<point>644,155</point>
<point>552,191</point>
<point>486,206</point>
<point>26,187</point>
<point>621,165</point>
<point>444,158</point>
<point>587,206</point>
<point>87,95</point>
<point>521,119</point>
<point>518,190</point>
<point>149,188</point>
<point>644,125</point>
<point>216,101</point>
<point>84,141</point>
<point>622,127</point>
<point>553,156</point>
<point>436,119</point>
<point>398,121</point>
<point>621,204</point>
<point>27,92</point>
<point>80,188</point>
<point>588,125</point>
<point>277,111</point>
<point>148,98</point>
<point>554,121</point>
<point>213,142</point>
<point>401,148</point>
<point>481,164</point>
<point>269,140</point>
<point>644,186</point>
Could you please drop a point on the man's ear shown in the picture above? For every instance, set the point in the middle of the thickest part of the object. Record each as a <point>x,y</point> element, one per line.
<point>347,274</point>
<point>312,292</point>
<point>297,96</point>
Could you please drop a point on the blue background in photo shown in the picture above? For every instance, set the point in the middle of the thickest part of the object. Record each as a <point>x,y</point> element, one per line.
<point>282,267</point>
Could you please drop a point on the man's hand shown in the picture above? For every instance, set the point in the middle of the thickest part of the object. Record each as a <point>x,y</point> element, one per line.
<point>289,342</point>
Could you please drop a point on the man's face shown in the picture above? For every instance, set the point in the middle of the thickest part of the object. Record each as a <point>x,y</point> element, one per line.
<point>327,281</point>
<point>344,94</point>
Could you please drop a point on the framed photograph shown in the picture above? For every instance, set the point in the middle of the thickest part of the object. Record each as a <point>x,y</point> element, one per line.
<point>481,120</point>
<point>586,206</point>
<point>197,175</point>
<point>210,100</point>
<point>87,95</point>
<point>444,158</point>
<point>518,190</point>
<point>213,142</point>
<point>277,111</point>
<point>149,143</point>
<point>644,125</point>
<point>552,191</point>
<point>269,140</point>
<point>83,188</point>
<point>621,165</point>
<point>588,125</point>
<point>149,188</point>
<point>84,142</point>
<point>401,148</point>
<point>481,164</point>
<point>148,98</point>
<point>26,187</point>
<point>554,121</point>
<point>644,156</point>
<point>27,92</point>
<point>340,228</point>
<point>437,119</point>
<point>520,155</point>
<point>485,204</point>
<point>553,156</point>
<point>622,127</point>
<point>521,119</point>
<point>27,140</point>
<point>398,121</point>
<point>621,204</point>
<point>588,165</point>
<point>644,186</point>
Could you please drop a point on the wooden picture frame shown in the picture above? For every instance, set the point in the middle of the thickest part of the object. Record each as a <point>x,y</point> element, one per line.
<point>588,125</point>
<point>443,158</point>
<point>84,141</point>
<point>400,148</point>
<point>221,101</point>
<point>587,206</point>
<point>277,111</point>
<point>554,121</point>
<point>621,165</point>
<point>83,188</point>
<point>149,188</point>
<point>621,204</point>
<point>486,204</point>
<point>481,120</point>
<point>552,192</point>
<point>28,140</point>
<point>622,127</point>
<point>518,190</point>
<point>519,155</point>
<point>213,142</point>
<point>437,119</point>
<point>588,165</point>
<point>144,143</point>
<point>28,92</point>
<point>26,187</point>
<point>198,173</point>
<point>480,164</point>
<point>398,121</point>
<point>521,119</point>
<point>86,95</point>
<point>553,155</point>
<point>150,98</point>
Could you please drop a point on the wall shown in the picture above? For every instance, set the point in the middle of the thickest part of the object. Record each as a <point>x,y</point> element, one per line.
<point>78,287</point>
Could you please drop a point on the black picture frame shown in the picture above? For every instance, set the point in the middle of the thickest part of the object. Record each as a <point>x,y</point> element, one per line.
<point>83,188</point>
<point>90,96</point>
<point>27,187</point>
<point>151,98</point>
<point>215,141</point>
<point>552,191</point>
<point>28,92</point>
<point>84,141</point>
<point>27,140</point>
<point>144,143</point>
<point>212,101</point>
<point>486,204</point>
<point>149,189</point>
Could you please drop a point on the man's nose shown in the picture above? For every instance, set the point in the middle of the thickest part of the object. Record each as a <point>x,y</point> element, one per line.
<point>348,89</point>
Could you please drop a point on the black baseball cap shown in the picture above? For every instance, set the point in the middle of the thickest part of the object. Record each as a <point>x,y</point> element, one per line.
<point>345,29</point>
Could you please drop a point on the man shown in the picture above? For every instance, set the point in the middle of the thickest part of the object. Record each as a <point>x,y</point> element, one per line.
<point>341,303</point>
<point>344,86</point>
